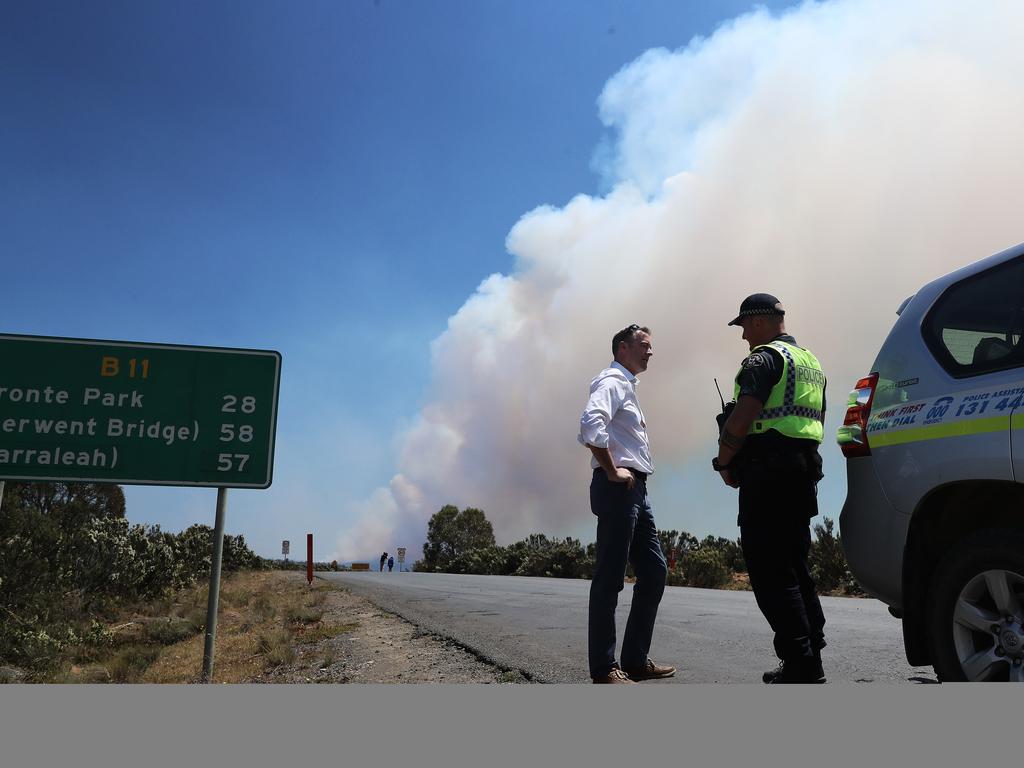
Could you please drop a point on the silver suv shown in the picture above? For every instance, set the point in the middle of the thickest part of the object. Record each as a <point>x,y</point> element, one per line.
<point>933,523</point>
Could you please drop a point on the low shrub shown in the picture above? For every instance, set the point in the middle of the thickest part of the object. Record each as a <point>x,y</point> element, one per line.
<point>704,567</point>
<point>131,662</point>
<point>171,630</point>
<point>827,561</point>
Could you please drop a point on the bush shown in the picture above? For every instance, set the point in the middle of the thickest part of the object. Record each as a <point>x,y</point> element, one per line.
<point>131,662</point>
<point>703,567</point>
<point>486,560</point>
<point>170,630</point>
<point>827,561</point>
<point>537,555</point>
<point>451,537</point>
<point>732,552</point>
<point>67,554</point>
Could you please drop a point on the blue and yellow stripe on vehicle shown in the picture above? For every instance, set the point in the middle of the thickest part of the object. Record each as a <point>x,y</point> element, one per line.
<point>940,431</point>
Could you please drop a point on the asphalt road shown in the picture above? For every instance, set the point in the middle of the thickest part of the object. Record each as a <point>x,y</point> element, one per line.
<point>539,626</point>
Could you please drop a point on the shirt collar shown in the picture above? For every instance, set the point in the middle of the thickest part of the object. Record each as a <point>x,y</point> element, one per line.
<point>629,376</point>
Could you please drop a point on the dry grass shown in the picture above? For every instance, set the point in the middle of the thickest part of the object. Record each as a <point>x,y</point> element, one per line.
<point>738,582</point>
<point>309,635</point>
<point>261,617</point>
<point>302,614</point>
<point>276,648</point>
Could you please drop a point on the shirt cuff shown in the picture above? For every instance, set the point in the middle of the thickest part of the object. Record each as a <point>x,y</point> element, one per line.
<point>595,441</point>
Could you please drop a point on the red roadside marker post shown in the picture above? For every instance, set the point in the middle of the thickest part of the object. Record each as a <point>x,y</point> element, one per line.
<point>309,558</point>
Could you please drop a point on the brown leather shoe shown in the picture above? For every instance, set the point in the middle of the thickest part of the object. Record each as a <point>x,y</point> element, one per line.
<point>615,676</point>
<point>650,671</point>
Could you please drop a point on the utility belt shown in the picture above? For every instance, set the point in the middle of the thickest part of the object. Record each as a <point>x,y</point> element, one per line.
<point>806,463</point>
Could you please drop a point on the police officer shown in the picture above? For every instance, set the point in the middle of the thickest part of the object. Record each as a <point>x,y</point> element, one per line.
<point>768,448</point>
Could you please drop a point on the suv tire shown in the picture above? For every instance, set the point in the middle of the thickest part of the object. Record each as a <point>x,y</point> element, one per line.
<point>976,609</point>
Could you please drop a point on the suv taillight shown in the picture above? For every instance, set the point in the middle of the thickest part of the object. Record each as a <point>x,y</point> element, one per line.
<point>853,435</point>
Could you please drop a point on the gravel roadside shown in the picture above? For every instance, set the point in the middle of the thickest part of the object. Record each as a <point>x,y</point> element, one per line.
<point>379,647</point>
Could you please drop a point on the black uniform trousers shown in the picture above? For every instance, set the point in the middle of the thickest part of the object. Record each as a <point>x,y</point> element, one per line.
<point>777,503</point>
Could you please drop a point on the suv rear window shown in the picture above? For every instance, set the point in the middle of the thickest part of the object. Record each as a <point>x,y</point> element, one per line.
<point>975,327</point>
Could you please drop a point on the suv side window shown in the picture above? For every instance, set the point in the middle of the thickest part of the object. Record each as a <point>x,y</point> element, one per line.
<point>975,327</point>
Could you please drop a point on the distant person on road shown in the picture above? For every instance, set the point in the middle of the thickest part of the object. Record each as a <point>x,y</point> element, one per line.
<point>391,564</point>
<point>613,428</point>
<point>768,448</point>
<point>383,559</point>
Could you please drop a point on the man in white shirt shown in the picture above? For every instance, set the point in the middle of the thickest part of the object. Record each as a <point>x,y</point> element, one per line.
<point>614,429</point>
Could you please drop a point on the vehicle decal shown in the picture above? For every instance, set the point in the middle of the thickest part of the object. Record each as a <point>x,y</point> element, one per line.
<point>966,413</point>
<point>934,432</point>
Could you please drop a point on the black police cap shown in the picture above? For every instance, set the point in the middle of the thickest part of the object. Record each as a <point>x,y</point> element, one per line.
<point>758,304</point>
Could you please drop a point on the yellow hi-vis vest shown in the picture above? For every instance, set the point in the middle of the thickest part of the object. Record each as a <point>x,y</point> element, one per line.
<point>794,407</point>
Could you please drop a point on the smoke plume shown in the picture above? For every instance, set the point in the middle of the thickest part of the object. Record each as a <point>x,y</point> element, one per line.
<point>839,156</point>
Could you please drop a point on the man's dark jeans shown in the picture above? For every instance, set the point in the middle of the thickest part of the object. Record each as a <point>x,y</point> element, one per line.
<point>625,533</point>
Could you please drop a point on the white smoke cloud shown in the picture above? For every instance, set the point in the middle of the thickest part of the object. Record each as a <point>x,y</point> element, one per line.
<point>838,155</point>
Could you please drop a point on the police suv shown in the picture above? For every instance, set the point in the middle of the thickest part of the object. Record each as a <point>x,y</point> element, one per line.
<point>933,523</point>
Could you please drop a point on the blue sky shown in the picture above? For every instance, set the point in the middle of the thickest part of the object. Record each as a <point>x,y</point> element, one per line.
<point>339,180</point>
<point>328,179</point>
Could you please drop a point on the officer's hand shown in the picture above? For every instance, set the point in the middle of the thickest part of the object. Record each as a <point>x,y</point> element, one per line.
<point>622,475</point>
<point>728,479</point>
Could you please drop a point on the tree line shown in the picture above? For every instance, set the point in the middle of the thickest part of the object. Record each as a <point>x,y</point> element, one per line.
<point>462,541</point>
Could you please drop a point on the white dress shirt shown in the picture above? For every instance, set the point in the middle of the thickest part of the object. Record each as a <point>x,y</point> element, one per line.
<point>613,420</point>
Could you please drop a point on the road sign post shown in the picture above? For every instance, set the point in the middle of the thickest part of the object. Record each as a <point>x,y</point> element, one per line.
<point>214,596</point>
<point>80,410</point>
<point>401,558</point>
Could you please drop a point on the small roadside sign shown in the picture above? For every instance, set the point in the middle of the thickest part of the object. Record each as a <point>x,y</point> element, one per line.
<point>401,554</point>
<point>285,546</point>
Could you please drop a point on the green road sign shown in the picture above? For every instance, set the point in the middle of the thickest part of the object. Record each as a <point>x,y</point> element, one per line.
<point>152,414</point>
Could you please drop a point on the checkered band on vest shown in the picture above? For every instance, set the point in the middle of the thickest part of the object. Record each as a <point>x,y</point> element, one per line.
<point>788,407</point>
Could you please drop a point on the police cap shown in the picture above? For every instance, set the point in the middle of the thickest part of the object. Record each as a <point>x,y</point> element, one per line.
<point>758,304</point>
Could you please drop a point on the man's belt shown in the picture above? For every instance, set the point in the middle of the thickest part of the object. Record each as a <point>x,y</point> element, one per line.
<point>636,472</point>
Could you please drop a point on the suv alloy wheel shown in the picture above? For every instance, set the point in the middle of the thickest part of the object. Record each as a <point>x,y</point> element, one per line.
<point>976,611</point>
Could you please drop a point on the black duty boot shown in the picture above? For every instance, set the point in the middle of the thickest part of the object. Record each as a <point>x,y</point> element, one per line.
<point>771,674</point>
<point>799,670</point>
<point>816,645</point>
